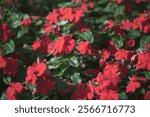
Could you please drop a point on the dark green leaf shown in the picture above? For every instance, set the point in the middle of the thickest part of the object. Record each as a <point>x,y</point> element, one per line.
<point>54,63</point>
<point>22,32</point>
<point>119,10</point>
<point>123,96</point>
<point>88,36</point>
<point>7,80</point>
<point>67,27</point>
<point>73,61</point>
<point>16,23</point>
<point>76,78</point>
<point>145,39</point>
<point>142,91</point>
<point>147,75</point>
<point>8,47</point>
<point>118,41</point>
<point>3,97</point>
<point>133,34</point>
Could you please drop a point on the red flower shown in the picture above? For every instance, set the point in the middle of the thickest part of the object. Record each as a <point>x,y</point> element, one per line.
<point>124,54</point>
<point>90,91</point>
<point>71,14</point>
<point>143,61</point>
<point>79,93</point>
<point>78,14</point>
<point>53,17</point>
<point>112,48</point>
<point>34,71</point>
<point>2,62</point>
<point>109,95</point>
<point>47,29</point>
<point>11,68</point>
<point>146,26</point>
<point>84,7</point>
<point>135,83</point>
<point>6,32</point>
<point>26,22</point>
<point>139,79</point>
<point>86,48</point>
<point>147,95</point>
<point>137,23</point>
<point>114,70</point>
<point>110,24</point>
<point>130,43</point>
<point>119,31</point>
<point>11,94</point>
<point>132,86</point>
<point>36,45</point>
<point>44,86</point>
<point>17,87</point>
<point>14,90</point>
<point>42,45</point>
<point>64,44</point>
<point>105,54</point>
<point>67,14</point>
<point>126,24</point>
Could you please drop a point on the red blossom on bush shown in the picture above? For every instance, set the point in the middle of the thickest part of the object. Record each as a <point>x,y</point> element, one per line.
<point>26,22</point>
<point>14,90</point>
<point>2,62</point>
<point>6,32</point>
<point>11,68</point>
<point>35,71</point>
<point>109,95</point>
<point>132,86</point>
<point>79,93</point>
<point>130,43</point>
<point>124,54</point>
<point>64,44</point>
<point>86,48</point>
<point>143,61</point>
<point>42,45</point>
<point>147,95</point>
<point>44,86</point>
<point>126,24</point>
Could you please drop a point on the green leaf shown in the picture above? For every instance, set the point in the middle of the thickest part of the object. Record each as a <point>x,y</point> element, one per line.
<point>142,91</point>
<point>66,28</point>
<point>22,32</point>
<point>7,80</point>
<point>88,36</point>
<point>73,61</point>
<point>8,47</point>
<point>118,41</point>
<point>145,39</point>
<point>134,34</point>
<point>76,78</point>
<point>60,72</point>
<point>39,22</point>
<point>31,87</point>
<point>147,75</point>
<point>123,96</point>
<point>54,63</point>
<point>3,97</point>
<point>16,23</point>
<point>62,23</point>
<point>119,10</point>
